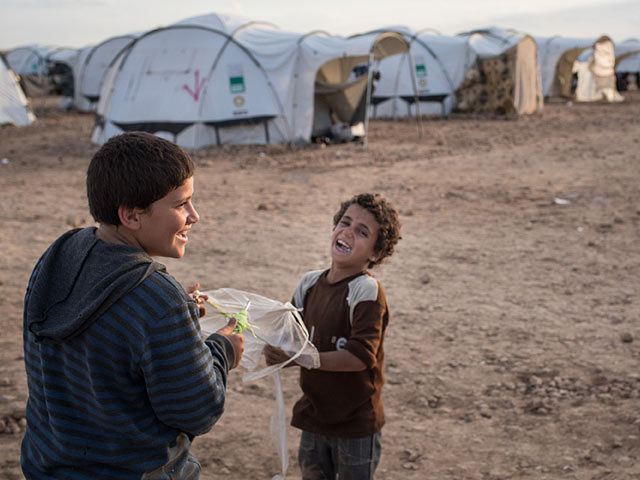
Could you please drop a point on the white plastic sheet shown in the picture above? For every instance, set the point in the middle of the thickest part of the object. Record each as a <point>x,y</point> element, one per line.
<point>274,323</point>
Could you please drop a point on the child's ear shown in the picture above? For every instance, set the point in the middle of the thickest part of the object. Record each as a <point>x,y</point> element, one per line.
<point>129,217</point>
<point>375,257</point>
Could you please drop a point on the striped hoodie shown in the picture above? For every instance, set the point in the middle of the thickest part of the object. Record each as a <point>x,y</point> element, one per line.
<point>120,379</point>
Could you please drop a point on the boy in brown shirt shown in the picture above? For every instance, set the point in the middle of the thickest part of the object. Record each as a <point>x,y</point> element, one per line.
<point>345,310</point>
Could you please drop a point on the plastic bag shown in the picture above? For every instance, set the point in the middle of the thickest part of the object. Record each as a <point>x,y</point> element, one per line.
<point>274,323</point>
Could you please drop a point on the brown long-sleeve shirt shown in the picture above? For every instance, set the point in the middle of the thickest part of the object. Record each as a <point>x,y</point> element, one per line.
<point>351,314</point>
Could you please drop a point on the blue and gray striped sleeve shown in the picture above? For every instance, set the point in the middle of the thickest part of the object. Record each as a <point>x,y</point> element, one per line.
<point>185,376</point>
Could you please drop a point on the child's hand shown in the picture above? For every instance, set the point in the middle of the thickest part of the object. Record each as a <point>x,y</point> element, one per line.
<point>274,355</point>
<point>236,339</point>
<point>200,298</point>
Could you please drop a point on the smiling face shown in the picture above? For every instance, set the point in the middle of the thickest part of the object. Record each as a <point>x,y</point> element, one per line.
<point>165,224</point>
<point>353,241</point>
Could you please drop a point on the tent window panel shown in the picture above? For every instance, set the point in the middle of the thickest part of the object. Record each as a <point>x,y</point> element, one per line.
<point>248,134</point>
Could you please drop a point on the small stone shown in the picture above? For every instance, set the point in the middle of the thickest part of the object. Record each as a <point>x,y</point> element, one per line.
<point>626,337</point>
<point>18,411</point>
<point>512,431</point>
<point>412,455</point>
<point>75,221</point>
<point>486,413</point>
<point>12,427</point>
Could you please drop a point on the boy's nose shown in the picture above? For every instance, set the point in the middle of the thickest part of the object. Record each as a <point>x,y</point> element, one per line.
<point>193,215</point>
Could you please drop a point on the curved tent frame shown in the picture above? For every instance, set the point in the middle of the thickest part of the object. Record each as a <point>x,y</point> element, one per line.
<point>176,128</point>
<point>89,77</point>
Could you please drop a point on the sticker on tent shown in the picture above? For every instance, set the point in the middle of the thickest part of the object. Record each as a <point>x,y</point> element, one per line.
<point>421,67</point>
<point>236,79</point>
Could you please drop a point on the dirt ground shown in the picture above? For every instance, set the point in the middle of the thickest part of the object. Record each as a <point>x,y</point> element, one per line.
<point>514,342</point>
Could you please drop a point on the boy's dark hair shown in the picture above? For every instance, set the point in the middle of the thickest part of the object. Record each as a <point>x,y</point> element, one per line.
<point>385,214</point>
<point>134,170</point>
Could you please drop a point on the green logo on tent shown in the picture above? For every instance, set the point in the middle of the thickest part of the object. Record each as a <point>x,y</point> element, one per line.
<point>236,84</point>
<point>421,71</point>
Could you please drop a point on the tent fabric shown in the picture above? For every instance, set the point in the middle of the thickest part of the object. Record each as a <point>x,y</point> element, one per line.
<point>91,68</point>
<point>506,78</point>
<point>219,79</point>
<point>14,108</point>
<point>428,74</point>
<point>595,70</point>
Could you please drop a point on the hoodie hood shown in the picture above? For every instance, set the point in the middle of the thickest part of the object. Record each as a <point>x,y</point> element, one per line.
<point>77,279</point>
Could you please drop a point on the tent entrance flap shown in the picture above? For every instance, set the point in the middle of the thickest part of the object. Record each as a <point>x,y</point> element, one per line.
<point>264,120</point>
<point>339,92</point>
<point>342,100</point>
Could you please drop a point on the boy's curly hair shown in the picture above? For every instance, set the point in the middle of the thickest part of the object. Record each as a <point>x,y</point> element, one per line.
<point>385,214</point>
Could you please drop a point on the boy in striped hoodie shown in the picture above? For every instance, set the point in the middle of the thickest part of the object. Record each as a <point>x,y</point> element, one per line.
<point>120,378</point>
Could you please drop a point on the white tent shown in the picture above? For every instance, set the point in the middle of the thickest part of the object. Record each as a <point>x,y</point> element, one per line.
<point>14,108</point>
<point>506,78</point>
<point>91,68</point>
<point>424,80</point>
<point>628,63</point>
<point>219,79</point>
<point>595,71</point>
<point>557,56</point>
<point>43,69</point>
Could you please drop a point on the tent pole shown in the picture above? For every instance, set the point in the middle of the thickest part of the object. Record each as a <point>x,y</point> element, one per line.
<point>415,95</point>
<point>367,102</point>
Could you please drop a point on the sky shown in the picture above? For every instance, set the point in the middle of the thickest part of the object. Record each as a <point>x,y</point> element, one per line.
<point>79,23</point>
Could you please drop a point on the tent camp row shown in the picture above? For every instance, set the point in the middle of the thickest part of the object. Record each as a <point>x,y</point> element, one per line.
<point>487,70</point>
<point>254,83</point>
<point>218,79</point>
<point>499,71</point>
